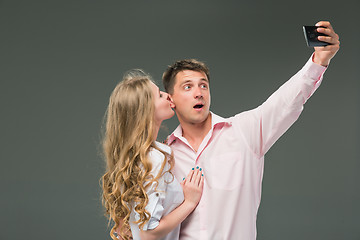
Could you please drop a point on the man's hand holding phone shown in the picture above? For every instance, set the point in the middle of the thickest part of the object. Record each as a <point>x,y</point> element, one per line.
<point>323,54</point>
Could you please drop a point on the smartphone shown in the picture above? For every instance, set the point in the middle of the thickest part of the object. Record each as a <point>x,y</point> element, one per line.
<point>311,35</point>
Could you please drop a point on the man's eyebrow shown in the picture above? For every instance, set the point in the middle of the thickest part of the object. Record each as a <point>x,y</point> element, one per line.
<point>190,80</point>
<point>186,81</point>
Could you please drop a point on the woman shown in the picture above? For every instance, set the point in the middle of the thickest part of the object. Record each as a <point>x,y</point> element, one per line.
<point>139,190</point>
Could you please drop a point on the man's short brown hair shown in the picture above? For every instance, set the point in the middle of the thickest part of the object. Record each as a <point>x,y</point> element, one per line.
<point>181,65</point>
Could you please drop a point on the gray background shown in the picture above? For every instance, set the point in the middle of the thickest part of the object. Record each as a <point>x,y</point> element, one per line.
<point>60,61</point>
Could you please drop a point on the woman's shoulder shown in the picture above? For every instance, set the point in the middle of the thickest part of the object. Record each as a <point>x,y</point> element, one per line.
<point>163,147</point>
<point>156,156</point>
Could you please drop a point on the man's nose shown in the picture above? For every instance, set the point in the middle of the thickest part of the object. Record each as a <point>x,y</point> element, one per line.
<point>198,92</point>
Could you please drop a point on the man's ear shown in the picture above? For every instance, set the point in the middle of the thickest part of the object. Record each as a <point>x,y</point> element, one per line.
<point>172,104</point>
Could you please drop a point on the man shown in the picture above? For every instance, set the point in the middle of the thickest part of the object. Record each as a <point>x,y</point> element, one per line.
<point>231,151</point>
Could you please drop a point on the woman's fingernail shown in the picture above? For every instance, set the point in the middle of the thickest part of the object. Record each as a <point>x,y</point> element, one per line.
<point>183,179</point>
<point>192,169</point>
<point>200,169</point>
<point>202,174</point>
<point>197,167</point>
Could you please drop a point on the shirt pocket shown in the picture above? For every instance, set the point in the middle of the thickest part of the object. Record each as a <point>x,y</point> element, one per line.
<point>226,171</point>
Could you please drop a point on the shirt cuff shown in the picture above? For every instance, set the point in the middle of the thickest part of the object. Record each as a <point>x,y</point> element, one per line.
<point>314,70</point>
<point>155,209</point>
<point>152,224</point>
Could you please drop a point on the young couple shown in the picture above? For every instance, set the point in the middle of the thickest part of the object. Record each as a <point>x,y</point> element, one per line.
<point>208,177</point>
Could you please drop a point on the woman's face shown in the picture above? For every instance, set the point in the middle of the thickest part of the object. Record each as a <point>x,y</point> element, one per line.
<point>162,103</point>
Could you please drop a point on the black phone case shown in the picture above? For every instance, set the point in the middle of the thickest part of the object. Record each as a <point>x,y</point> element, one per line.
<point>311,35</point>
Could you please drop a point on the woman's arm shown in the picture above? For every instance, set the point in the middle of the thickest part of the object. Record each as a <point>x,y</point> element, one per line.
<point>127,231</point>
<point>192,187</point>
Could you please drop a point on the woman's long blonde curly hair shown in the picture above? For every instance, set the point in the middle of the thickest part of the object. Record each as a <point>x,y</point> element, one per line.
<point>128,138</point>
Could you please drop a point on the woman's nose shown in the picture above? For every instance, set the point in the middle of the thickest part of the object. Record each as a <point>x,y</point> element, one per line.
<point>165,95</point>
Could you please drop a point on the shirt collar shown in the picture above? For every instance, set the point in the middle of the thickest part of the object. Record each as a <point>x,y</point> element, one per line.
<point>215,122</point>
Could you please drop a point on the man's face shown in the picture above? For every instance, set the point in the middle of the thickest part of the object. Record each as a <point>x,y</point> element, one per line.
<point>191,96</point>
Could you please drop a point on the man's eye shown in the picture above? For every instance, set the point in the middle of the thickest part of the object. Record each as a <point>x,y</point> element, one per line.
<point>161,95</point>
<point>204,86</point>
<point>186,87</point>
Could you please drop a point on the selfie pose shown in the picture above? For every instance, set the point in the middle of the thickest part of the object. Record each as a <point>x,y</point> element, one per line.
<point>139,190</point>
<point>231,150</point>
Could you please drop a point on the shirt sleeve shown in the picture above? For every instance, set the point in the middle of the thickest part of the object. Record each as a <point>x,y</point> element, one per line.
<point>264,125</point>
<point>155,192</point>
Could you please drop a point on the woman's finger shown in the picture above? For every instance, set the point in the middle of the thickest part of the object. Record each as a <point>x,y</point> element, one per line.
<point>190,175</point>
<point>198,177</point>
<point>201,185</point>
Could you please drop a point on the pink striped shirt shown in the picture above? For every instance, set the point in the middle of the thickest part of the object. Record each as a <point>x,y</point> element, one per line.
<point>232,158</point>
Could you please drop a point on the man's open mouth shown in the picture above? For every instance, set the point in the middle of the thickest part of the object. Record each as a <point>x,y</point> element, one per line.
<point>197,106</point>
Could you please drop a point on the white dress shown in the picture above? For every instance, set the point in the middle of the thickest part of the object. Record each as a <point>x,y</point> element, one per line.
<point>167,197</point>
